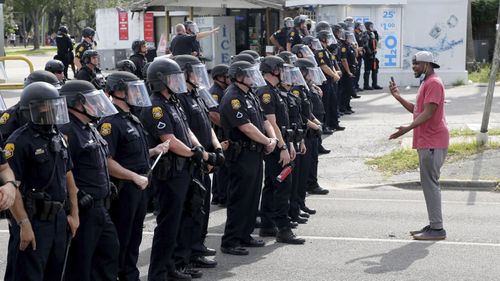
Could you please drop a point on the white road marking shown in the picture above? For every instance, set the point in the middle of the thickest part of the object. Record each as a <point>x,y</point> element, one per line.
<point>398,200</point>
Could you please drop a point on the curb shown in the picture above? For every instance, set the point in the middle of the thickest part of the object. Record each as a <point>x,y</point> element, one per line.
<point>470,185</point>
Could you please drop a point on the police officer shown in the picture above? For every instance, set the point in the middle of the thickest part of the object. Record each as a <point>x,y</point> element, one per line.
<point>245,125</point>
<point>253,53</point>
<point>64,48</point>
<point>140,49</point>
<point>86,44</point>
<point>297,32</point>
<point>126,65</point>
<point>12,119</point>
<point>326,62</point>
<point>221,81</point>
<point>361,38</point>
<point>57,68</point>
<point>94,250</point>
<point>279,38</point>
<point>276,195</point>
<point>166,120</point>
<point>90,71</point>
<point>187,44</point>
<point>39,157</point>
<point>370,57</point>
<point>196,103</point>
<point>244,57</point>
<point>348,66</point>
<point>128,166</point>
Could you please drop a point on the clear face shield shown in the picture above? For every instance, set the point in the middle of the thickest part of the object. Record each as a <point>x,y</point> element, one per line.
<point>253,77</point>
<point>306,53</point>
<point>341,34</point>
<point>292,76</point>
<point>293,59</point>
<point>201,76</point>
<point>350,38</point>
<point>3,106</point>
<point>316,45</point>
<point>207,98</point>
<point>49,112</point>
<point>289,23</point>
<point>176,83</point>
<point>137,94</point>
<point>98,105</point>
<point>314,75</point>
<point>330,39</point>
<point>362,27</point>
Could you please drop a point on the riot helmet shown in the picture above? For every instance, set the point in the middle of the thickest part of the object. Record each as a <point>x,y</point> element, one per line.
<point>94,103</point>
<point>327,37</point>
<point>54,66</point>
<point>136,92</point>
<point>196,72</point>
<point>137,45</point>
<point>244,57</point>
<point>303,51</point>
<point>369,26</point>
<point>164,73</point>
<point>88,55</point>
<point>126,65</point>
<point>247,74</point>
<point>88,32</point>
<point>42,76</point>
<point>270,64</point>
<point>292,76</point>
<point>41,103</point>
<point>312,42</point>
<point>288,22</point>
<point>299,20</point>
<point>323,25</point>
<point>63,29</point>
<point>360,26</point>
<point>310,71</point>
<point>288,57</point>
<point>253,53</point>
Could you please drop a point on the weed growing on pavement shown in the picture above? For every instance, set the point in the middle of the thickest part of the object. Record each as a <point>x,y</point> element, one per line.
<point>483,75</point>
<point>30,51</point>
<point>405,159</point>
<point>470,133</point>
<point>458,83</point>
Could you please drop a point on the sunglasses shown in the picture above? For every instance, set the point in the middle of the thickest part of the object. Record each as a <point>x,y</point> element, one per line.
<point>58,72</point>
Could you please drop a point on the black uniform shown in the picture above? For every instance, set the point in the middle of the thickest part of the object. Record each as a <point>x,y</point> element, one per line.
<point>139,60</point>
<point>347,52</point>
<point>128,146</point>
<point>64,48</point>
<point>184,44</point>
<point>361,38</point>
<point>10,120</point>
<point>221,176</point>
<point>371,62</point>
<point>238,108</point>
<point>94,250</point>
<point>301,172</point>
<point>294,37</point>
<point>318,111</point>
<point>193,230</point>
<point>94,76</point>
<point>40,160</point>
<point>281,35</point>
<point>82,47</point>
<point>275,196</point>
<point>171,177</point>
<point>329,99</point>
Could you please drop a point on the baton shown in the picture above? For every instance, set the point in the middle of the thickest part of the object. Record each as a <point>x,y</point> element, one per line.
<point>70,237</point>
<point>154,164</point>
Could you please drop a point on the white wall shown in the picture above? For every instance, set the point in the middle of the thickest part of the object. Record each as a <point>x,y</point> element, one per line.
<point>107,29</point>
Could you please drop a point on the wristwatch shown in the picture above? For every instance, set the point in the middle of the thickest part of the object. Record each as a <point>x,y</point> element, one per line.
<point>283,147</point>
<point>13,183</point>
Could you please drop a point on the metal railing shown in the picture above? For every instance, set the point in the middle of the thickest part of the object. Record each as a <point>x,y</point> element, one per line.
<point>15,86</point>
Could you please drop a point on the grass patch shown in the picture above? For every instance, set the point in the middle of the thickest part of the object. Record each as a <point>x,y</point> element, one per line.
<point>405,159</point>
<point>29,51</point>
<point>458,83</point>
<point>471,133</point>
<point>483,75</point>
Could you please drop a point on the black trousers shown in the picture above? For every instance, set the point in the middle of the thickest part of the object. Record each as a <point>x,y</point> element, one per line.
<point>275,201</point>
<point>330,103</point>
<point>95,249</point>
<point>301,174</point>
<point>245,182</point>
<point>371,65</point>
<point>358,73</point>
<point>347,92</point>
<point>171,199</point>
<point>46,263</point>
<point>201,227</point>
<point>127,213</point>
<point>220,183</point>
<point>312,179</point>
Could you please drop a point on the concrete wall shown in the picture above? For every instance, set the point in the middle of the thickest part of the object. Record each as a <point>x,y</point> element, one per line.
<point>107,29</point>
<point>435,26</point>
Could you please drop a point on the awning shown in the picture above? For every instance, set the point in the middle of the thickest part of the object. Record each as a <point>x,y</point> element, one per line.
<point>294,3</point>
<point>231,4</point>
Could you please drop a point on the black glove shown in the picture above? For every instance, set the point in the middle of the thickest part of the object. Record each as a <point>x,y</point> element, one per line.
<point>212,159</point>
<point>219,161</point>
<point>197,154</point>
<point>113,191</point>
<point>85,200</point>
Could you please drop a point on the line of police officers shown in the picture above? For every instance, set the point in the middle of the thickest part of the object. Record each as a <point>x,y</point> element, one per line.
<point>84,154</point>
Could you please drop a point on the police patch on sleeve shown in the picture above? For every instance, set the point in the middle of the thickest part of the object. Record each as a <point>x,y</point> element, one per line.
<point>320,54</point>
<point>266,98</point>
<point>235,104</point>
<point>322,61</point>
<point>344,50</point>
<point>105,129</point>
<point>296,93</point>
<point>81,49</point>
<point>9,150</point>
<point>292,33</point>
<point>215,97</point>
<point>5,117</point>
<point>157,112</point>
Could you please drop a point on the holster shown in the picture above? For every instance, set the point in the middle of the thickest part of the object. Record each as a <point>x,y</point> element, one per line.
<point>162,169</point>
<point>39,206</point>
<point>234,151</point>
<point>195,200</point>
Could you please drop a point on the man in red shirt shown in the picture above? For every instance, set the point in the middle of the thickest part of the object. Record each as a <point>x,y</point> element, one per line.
<point>430,138</point>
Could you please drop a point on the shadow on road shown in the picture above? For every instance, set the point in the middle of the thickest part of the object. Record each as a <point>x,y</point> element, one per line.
<point>395,260</point>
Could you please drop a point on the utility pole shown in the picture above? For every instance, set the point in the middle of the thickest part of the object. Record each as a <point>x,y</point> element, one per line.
<point>482,137</point>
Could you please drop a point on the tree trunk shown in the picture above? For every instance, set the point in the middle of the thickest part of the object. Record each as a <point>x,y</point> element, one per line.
<point>470,57</point>
<point>35,18</point>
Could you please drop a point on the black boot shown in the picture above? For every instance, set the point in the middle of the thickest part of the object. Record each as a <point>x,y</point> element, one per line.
<point>366,79</point>
<point>375,85</point>
<point>285,235</point>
